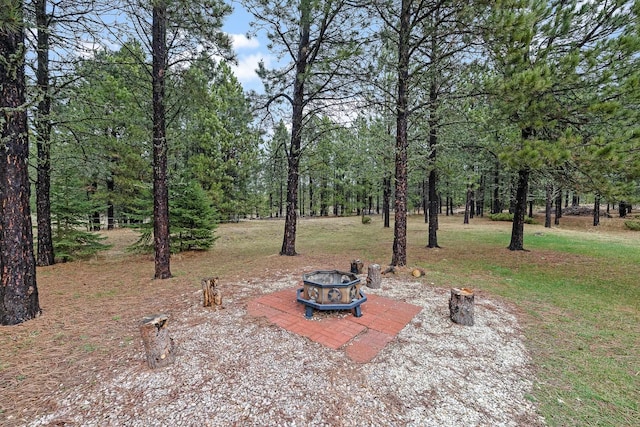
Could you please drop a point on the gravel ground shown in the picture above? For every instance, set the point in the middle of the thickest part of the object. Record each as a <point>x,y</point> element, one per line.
<point>234,369</point>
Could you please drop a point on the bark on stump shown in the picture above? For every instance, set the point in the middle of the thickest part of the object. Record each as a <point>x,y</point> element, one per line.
<point>210,292</point>
<point>158,345</point>
<point>374,276</point>
<point>356,266</point>
<point>461,306</point>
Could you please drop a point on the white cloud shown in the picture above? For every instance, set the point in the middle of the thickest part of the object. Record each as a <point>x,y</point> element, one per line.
<point>245,71</point>
<point>240,41</point>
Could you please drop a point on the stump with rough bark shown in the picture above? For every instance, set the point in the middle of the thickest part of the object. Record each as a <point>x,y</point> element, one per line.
<point>461,306</point>
<point>356,266</point>
<point>210,292</point>
<point>158,345</point>
<point>374,276</point>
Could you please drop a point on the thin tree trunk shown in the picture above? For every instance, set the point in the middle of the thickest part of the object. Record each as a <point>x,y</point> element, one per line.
<point>18,291</point>
<point>399,257</point>
<point>520,209</point>
<point>425,200</point>
<point>496,206</point>
<point>160,179</point>
<point>556,220</point>
<point>289,238</point>
<point>45,255</point>
<point>386,200</point>
<point>596,211</point>
<point>434,209</point>
<point>467,206</point>
<point>547,208</point>
<point>110,208</point>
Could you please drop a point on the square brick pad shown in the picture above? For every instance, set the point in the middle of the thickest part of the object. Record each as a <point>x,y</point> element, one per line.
<point>362,337</point>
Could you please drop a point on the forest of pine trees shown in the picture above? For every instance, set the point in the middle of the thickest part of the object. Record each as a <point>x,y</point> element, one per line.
<point>379,108</point>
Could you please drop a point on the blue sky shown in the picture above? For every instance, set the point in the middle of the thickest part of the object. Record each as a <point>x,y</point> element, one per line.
<point>248,51</point>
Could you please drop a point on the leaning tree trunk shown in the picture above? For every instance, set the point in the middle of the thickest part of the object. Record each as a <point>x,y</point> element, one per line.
<point>399,257</point>
<point>520,209</point>
<point>18,291</point>
<point>45,255</point>
<point>290,224</point>
<point>160,180</point>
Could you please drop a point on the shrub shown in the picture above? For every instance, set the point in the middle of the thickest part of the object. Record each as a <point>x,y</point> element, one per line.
<point>632,225</point>
<point>506,216</point>
<point>366,219</point>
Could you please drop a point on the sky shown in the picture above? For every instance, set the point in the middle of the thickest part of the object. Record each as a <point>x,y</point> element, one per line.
<point>248,51</point>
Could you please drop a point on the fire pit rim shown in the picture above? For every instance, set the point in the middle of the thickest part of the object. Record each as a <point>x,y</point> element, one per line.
<point>355,281</point>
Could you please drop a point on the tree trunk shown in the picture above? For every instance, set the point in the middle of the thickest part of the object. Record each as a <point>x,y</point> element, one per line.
<point>596,211</point>
<point>547,207</point>
<point>556,220</point>
<point>18,291</point>
<point>386,197</point>
<point>467,206</point>
<point>45,254</point>
<point>110,208</point>
<point>160,179</point>
<point>480,198</point>
<point>425,200</point>
<point>399,257</point>
<point>434,209</point>
<point>289,238</point>
<point>496,206</point>
<point>520,209</point>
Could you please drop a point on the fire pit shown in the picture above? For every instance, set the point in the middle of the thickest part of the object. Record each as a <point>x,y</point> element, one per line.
<point>331,290</point>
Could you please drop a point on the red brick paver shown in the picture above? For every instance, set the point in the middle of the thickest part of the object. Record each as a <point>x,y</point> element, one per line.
<point>362,337</point>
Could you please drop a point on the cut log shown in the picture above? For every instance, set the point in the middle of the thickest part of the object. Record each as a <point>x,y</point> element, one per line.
<point>158,345</point>
<point>461,306</point>
<point>357,266</point>
<point>374,277</point>
<point>211,293</point>
<point>418,272</point>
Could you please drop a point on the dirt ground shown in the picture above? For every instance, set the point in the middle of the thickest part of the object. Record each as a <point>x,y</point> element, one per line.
<point>92,309</point>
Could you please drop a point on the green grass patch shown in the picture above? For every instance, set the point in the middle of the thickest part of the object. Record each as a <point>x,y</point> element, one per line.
<point>582,301</point>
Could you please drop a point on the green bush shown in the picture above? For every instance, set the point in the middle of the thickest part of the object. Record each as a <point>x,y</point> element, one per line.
<point>632,225</point>
<point>506,216</point>
<point>366,219</point>
<point>502,216</point>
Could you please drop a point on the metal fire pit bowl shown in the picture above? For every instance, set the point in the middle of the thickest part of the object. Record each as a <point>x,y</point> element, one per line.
<point>331,290</point>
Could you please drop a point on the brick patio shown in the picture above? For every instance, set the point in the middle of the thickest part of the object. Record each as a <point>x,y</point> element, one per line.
<point>360,337</point>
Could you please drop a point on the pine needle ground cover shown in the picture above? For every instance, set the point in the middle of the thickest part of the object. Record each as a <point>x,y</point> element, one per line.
<point>575,289</point>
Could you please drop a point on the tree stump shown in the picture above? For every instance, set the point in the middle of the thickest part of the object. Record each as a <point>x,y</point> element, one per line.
<point>374,276</point>
<point>158,345</point>
<point>356,266</point>
<point>210,292</point>
<point>461,306</point>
